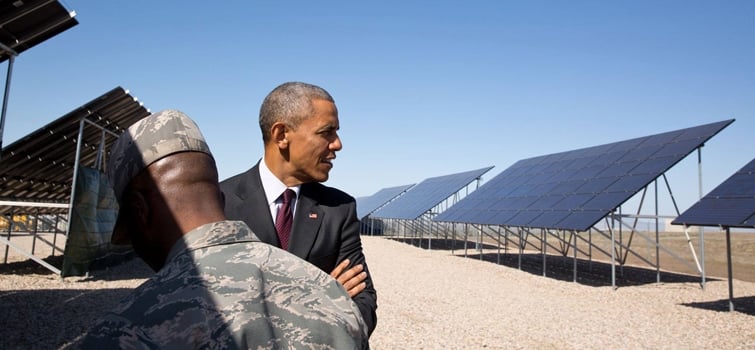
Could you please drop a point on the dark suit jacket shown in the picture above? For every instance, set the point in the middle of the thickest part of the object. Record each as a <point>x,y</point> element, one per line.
<point>325,229</point>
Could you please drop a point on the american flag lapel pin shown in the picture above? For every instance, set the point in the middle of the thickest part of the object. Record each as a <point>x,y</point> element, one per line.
<point>313,215</point>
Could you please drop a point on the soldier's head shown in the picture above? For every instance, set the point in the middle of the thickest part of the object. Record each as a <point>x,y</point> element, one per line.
<point>299,124</point>
<point>166,184</point>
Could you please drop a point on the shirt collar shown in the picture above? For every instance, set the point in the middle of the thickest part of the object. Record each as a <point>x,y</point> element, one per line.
<point>272,185</point>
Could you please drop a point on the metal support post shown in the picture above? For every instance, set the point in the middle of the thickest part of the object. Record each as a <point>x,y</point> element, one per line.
<point>728,266</point>
<point>6,94</point>
<point>701,232</point>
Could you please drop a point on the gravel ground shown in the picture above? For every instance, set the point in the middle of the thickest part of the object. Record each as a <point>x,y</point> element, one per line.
<point>431,299</point>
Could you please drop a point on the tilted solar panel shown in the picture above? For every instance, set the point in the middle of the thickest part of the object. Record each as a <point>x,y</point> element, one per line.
<point>366,205</point>
<point>427,194</point>
<point>573,190</point>
<point>731,204</point>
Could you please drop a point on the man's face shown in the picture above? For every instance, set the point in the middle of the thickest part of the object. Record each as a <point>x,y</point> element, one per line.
<point>313,144</point>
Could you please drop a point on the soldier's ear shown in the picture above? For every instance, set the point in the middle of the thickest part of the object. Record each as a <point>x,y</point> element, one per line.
<point>140,209</point>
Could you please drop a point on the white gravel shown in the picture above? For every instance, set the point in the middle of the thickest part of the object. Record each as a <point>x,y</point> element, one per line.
<point>433,300</point>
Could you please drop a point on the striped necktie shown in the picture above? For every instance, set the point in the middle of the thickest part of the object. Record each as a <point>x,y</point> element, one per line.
<point>285,218</point>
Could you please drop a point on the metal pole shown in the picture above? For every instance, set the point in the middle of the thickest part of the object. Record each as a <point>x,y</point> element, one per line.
<point>657,240</point>
<point>613,254</point>
<point>55,234</point>
<point>34,233</point>
<point>621,244</point>
<point>6,94</point>
<point>499,245</point>
<point>466,237</point>
<point>520,248</point>
<point>589,248</point>
<point>479,241</point>
<point>10,231</point>
<point>79,141</point>
<point>728,263</point>
<point>701,232</point>
<point>574,235</point>
<point>453,237</point>
<point>542,243</point>
<point>430,234</point>
<point>505,241</point>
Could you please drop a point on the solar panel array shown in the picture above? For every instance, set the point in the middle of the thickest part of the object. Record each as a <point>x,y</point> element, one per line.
<point>366,205</point>
<point>427,194</point>
<point>731,204</point>
<point>573,190</point>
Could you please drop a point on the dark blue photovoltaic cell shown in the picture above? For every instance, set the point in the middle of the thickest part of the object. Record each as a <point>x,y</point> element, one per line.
<point>549,218</point>
<point>573,201</point>
<point>546,202</point>
<point>630,183</point>
<point>676,148</point>
<point>577,220</point>
<point>730,204</point>
<point>654,166</point>
<point>739,185</point>
<point>523,218</point>
<point>427,194</point>
<point>597,185</point>
<point>573,190</point>
<point>589,173</point>
<point>619,169</point>
<point>367,205</point>
<point>638,154</point>
<point>660,139</point>
<point>578,164</point>
<point>621,146</point>
<point>700,132</point>
<point>568,187</point>
<point>607,201</point>
<point>606,159</point>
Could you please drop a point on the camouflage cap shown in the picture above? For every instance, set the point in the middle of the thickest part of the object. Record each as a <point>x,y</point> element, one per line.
<point>147,141</point>
<point>143,143</point>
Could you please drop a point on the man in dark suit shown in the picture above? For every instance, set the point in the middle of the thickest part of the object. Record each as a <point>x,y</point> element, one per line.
<point>299,124</point>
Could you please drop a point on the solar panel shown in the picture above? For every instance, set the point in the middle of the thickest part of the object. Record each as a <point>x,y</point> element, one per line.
<point>366,205</point>
<point>427,194</point>
<point>731,204</point>
<point>573,190</point>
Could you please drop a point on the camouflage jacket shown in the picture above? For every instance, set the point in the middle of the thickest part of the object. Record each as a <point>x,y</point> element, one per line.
<point>221,288</point>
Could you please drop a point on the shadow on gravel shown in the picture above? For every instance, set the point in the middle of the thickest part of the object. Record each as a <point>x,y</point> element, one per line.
<point>37,319</point>
<point>31,267</point>
<point>116,268</point>
<point>591,273</point>
<point>745,305</point>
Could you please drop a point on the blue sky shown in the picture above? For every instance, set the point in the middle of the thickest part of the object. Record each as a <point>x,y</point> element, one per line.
<point>424,88</point>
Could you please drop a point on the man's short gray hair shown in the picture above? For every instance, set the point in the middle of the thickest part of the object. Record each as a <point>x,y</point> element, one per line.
<point>289,103</point>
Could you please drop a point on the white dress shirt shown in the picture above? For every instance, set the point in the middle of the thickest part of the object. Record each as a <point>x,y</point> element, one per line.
<point>273,189</point>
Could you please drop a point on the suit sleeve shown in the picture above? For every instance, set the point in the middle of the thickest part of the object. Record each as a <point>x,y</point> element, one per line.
<point>351,248</point>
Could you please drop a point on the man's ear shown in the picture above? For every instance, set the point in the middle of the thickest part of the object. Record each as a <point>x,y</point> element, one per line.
<point>278,135</point>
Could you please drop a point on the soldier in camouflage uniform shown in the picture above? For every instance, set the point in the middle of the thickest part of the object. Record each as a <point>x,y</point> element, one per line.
<point>217,285</point>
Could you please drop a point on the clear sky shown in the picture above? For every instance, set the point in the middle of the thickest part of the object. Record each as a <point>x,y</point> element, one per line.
<point>424,88</point>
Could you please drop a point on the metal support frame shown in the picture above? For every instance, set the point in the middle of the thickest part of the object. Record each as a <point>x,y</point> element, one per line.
<point>98,162</point>
<point>616,222</point>
<point>619,252</point>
